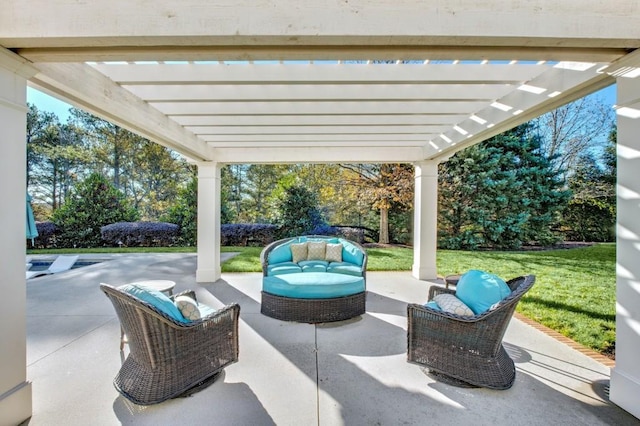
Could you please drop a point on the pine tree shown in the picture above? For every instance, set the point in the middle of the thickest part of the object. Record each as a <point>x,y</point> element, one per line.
<point>93,203</point>
<point>501,193</point>
<point>299,212</point>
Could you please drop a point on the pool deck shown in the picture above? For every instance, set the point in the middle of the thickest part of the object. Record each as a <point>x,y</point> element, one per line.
<point>347,373</point>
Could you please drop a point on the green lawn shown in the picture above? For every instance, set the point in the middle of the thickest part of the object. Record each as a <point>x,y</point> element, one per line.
<point>575,290</point>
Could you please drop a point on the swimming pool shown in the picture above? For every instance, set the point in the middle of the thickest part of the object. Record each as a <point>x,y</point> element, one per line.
<point>43,264</point>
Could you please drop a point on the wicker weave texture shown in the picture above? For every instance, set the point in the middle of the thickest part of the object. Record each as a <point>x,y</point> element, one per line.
<point>168,358</point>
<point>465,348</point>
<point>313,310</point>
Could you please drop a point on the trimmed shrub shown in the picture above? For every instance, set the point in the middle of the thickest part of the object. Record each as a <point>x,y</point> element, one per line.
<point>46,235</point>
<point>140,234</point>
<point>247,234</point>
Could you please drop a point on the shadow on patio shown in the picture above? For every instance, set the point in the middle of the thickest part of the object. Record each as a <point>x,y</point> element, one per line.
<point>352,372</point>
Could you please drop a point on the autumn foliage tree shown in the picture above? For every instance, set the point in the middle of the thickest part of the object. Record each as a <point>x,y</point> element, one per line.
<point>384,186</point>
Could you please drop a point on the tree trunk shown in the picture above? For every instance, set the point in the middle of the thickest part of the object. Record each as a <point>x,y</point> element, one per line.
<point>384,226</point>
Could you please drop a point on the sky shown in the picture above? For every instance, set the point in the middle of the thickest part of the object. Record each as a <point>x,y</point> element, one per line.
<point>46,103</point>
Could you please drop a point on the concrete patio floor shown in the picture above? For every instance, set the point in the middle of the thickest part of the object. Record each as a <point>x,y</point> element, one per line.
<point>348,373</point>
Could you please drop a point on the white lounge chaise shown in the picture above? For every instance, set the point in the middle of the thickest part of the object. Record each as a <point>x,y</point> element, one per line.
<point>61,264</point>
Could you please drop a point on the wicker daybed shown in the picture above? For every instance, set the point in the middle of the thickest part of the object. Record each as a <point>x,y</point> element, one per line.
<point>313,291</point>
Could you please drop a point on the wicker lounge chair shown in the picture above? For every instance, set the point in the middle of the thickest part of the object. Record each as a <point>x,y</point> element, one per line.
<point>465,350</point>
<point>168,358</point>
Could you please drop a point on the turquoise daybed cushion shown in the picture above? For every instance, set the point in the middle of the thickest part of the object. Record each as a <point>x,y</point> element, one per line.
<point>283,268</point>
<point>345,268</point>
<point>480,290</point>
<point>313,265</point>
<point>313,285</point>
<point>351,253</point>
<point>281,253</point>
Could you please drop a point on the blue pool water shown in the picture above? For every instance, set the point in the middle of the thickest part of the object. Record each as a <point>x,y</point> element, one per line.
<point>41,265</point>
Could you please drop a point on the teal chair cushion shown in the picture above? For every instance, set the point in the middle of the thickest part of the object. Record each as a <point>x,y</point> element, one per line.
<point>157,299</point>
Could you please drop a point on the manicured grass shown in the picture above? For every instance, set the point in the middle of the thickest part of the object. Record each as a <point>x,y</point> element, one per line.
<point>247,260</point>
<point>574,294</point>
<point>575,290</point>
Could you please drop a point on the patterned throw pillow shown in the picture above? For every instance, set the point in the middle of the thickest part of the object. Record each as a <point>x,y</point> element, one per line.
<point>298,252</point>
<point>316,250</point>
<point>188,307</point>
<point>333,253</point>
<point>450,303</point>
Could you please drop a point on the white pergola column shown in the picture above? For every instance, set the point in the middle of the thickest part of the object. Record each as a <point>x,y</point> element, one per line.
<point>425,219</point>
<point>208,269</point>
<point>15,390</point>
<point>625,377</point>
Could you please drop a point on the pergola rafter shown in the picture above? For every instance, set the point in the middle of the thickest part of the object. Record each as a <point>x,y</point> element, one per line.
<point>436,106</point>
<point>295,81</point>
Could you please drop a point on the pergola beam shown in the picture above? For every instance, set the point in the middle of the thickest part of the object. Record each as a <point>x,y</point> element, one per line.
<point>319,73</point>
<point>86,88</point>
<point>305,52</point>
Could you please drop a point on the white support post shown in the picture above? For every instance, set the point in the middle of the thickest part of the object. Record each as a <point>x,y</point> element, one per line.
<point>15,390</point>
<point>425,220</point>
<point>208,269</point>
<point>625,377</point>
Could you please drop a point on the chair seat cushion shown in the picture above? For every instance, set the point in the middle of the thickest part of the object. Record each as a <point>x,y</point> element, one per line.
<point>433,305</point>
<point>345,268</point>
<point>480,290</point>
<point>156,299</point>
<point>313,285</point>
<point>283,268</point>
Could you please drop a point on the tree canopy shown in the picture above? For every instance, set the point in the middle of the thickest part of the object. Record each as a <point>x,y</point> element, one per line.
<point>501,193</point>
<point>549,179</point>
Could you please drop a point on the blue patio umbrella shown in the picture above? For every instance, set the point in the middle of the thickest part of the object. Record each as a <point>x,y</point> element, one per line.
<point>32,231</point>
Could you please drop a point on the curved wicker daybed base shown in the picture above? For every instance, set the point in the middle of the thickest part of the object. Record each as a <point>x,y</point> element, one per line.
<point>313,310</point>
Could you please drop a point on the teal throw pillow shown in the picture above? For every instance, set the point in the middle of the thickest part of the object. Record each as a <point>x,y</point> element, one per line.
<point>479,290</point>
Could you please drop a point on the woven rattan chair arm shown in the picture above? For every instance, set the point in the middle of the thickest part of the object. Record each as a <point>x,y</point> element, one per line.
<point>415,310</point>
<point>189,293</point>
<point>232,308</point>
<point>435,290</point>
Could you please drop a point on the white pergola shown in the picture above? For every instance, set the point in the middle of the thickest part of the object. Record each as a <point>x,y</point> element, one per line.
<point>317,82</point>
